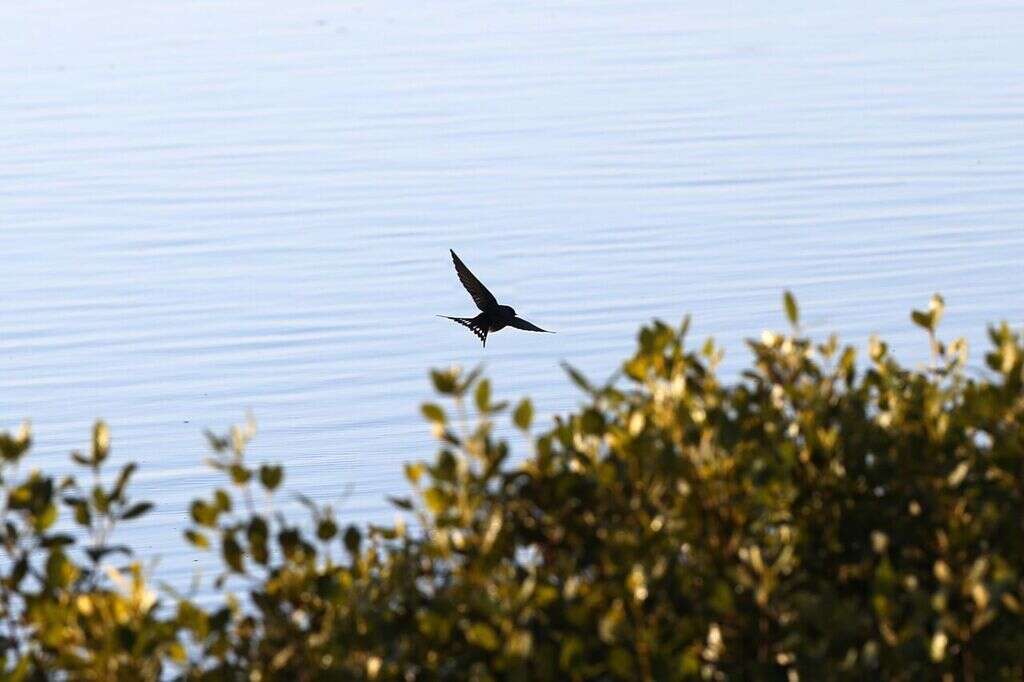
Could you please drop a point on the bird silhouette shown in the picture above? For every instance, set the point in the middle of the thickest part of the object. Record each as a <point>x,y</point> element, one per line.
<point>492,316</point>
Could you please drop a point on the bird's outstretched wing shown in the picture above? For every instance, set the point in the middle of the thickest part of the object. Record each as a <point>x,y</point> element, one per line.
<point>520,323</point>
<point>484,299</point>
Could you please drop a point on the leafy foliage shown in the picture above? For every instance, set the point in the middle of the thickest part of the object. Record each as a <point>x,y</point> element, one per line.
<point>821,518</point>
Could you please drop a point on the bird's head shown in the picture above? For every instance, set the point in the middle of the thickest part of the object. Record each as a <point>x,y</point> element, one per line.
<point>508,310</point>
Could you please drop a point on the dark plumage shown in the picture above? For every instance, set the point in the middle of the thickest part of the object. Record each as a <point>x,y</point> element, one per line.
<point>492,316</point>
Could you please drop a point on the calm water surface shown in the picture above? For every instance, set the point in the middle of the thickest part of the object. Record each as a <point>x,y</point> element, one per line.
<point>213,207</point>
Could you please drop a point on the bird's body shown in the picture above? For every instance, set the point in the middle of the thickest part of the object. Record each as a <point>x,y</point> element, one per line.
<point>493,317</point>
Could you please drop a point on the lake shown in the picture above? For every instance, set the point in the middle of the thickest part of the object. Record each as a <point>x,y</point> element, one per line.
<point>208,208</point>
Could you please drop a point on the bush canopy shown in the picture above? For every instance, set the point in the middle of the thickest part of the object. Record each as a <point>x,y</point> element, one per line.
<point>818,518</point>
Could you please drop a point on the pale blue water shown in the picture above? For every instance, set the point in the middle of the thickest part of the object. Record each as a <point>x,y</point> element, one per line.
<point>211,207</point>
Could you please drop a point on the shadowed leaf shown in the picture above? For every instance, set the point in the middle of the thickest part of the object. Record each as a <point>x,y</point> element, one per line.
<point>523,414</point>
<point>792,313</point>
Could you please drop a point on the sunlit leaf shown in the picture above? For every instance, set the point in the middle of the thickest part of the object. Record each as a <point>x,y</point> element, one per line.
<point>436,500</point>
<point>100,442</point>
<point>414,471</point>
<point>60,571</point>
<point>46,518</point>
<point>936,307</point>
<point>197,539</point>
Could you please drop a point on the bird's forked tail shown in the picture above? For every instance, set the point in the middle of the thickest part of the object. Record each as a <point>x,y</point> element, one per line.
<point>477,325</point>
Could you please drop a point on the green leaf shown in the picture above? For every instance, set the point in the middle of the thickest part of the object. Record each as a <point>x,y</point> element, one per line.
<point>240,474</point>
<point>197,539</point>
<point>572,651</point>
<point>11,449</point>
<point>469,379</point>
<point>217,443</point>
<point>203,513</point>
<point>792,312</point>
<point>221,500</point>
<point>353,538</point>
<point>46,518</point>
<point>83,516</point>
<point>621,662</point>
<point>433,413</point>
<point>100,501</point>
<point>136,510</point>
<point>60,572</point>
<point>436,500</point>
<point>577,378</point>
<point>289,541</point>
<point>271,476</point>
<point>176,652</point>
<point>79,458</point>
<point>326,529</point>
<point>219,619</point>
<point>232,552</point>
<point>523,414</point>
<point>414,472</point>
<point>122,480</point>
<point>401,502</point>
<point>257,533</point>
<point>307,502</point>
<point>483,636</point>
<point>592,422</point>
<point>20,497</point>
<point>482,396</point>
<point>56,540</point>
<point>937,306</point>
<point>100,442</point>
<point>19,572</point>
<point>924,320</point>
<point>444,381</point>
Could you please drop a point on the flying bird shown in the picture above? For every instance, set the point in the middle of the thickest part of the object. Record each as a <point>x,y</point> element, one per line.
<point>492,316</point>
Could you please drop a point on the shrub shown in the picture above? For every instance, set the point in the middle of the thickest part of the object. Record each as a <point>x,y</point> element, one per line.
<point>815,519</point>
